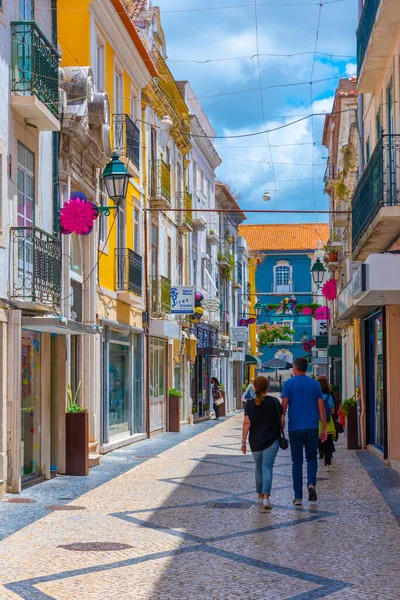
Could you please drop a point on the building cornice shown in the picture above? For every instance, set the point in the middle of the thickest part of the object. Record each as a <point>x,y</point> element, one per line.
<point>204,143</point>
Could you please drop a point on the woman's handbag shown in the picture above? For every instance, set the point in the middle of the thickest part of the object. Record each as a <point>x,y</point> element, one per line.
<point>219,401</point>
<point>283,443</point>
<point>338,426</point>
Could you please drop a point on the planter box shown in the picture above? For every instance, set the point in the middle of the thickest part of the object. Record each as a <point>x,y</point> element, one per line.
<point>174,421</point>
<point>77,443</point>
<point>352,430</point>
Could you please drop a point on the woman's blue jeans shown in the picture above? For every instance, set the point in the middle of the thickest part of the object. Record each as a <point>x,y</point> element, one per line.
<point>264,461</point>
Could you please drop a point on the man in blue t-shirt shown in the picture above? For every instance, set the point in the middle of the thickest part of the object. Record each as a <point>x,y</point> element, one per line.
<point>303,396</point>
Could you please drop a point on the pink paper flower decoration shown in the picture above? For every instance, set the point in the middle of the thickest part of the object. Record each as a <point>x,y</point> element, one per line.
<point>322,313</point>
<point>306,347</point>
<point>78,215</point>
<point>329,289</point>
<point>312,343</point>
<point>307,311</point>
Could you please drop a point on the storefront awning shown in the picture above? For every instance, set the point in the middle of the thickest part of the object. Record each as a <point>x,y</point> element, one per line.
<point>252,360</point>
<point>58,326</point>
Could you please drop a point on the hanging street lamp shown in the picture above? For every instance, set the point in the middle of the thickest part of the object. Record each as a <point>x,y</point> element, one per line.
<point>258,308</point>
<point>116,178</point>
<point>318,273</point>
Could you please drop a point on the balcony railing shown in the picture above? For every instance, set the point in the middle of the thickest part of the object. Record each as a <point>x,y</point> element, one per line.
<point>160,182</point>
<point>126,138</point>
<point>238,274</point>
<point>168,86</point>
<point>379,185</point>
<point>36,266</point>
<point>34,65</point>
<point>160,296</point>
<point>184,217</point>
<point>128,271</point>
<point>224,251</point>
<point>364,30</point>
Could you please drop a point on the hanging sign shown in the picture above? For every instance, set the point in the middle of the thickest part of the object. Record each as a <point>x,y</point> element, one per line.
<point>182,300</point>
<point>211,304</point>
<point>239,334</point>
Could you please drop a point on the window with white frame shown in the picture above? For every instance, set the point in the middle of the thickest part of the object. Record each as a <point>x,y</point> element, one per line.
<point>118,92</point>
<point>194,176</point>
<point>136,229</point>
<point>99,66</point>
<point>283,277</point>
<point>133,106</point>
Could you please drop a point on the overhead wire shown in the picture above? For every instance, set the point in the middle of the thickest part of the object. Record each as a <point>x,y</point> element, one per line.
<point>261,94</point>
<point>312,101</point>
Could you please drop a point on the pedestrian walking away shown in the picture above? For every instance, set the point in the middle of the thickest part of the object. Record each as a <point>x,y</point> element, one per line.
<point>262,418</point>
<point>327,448</point>
<point>249,393</point>
<point>302,398</point>
<point>216,394</point>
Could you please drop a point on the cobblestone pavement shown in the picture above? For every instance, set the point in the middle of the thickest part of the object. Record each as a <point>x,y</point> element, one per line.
<point>185,525</point>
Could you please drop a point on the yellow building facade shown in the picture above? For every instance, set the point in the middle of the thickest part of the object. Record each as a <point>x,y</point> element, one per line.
<point>119,69</point>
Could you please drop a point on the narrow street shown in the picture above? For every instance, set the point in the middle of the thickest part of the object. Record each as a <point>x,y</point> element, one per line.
<point>178,520</point>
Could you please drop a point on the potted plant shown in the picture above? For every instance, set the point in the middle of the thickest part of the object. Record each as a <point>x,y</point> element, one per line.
<point>76,435</point>
<point>222,407</point>
<point>195,410</point>
<point>174,419</point>
<point>349,407</point>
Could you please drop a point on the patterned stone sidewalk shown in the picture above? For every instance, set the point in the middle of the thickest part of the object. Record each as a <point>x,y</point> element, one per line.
<point>184,525</point>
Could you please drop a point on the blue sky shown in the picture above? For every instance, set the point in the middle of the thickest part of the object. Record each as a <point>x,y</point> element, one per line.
<point>294,177</point>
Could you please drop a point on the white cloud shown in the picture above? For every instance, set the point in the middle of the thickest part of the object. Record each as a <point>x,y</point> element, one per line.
<point>351,69</point>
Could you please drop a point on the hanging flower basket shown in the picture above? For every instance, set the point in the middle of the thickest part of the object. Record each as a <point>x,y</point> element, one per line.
<point>78,215</point>
<point>329,289</point>
<point>323,313</point>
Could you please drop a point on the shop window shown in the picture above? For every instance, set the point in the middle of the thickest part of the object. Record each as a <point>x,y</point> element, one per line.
<point>30,404</point>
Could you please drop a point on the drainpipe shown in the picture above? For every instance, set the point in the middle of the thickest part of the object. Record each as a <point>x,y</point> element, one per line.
<point>56,134</point>
<point>146,319</point>
<point>360,116</point>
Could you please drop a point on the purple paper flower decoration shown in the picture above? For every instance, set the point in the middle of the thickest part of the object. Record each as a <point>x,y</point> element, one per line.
<point>78,215</point>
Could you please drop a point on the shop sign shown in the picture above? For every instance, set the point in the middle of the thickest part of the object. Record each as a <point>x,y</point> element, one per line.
<point>322,327</point>
<point>182,300</point>
<point>239,334</point>
<point>211,304</point>
<point>358,283</point>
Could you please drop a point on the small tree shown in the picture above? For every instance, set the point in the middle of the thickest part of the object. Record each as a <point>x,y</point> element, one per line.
<point>270,333</point>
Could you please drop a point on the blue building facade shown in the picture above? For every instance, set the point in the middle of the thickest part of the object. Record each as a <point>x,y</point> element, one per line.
<point>280,275</point>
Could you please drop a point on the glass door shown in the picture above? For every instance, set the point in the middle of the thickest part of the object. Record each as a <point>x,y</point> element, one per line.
<point>30,405</point>
<point>157,384</point>
<point>118,398</point>
<point>376,383</point>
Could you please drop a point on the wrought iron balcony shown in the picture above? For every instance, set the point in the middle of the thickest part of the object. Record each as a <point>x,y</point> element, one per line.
<point>160,296</point>
<point>184,217</point>
<point>128,271</point>
<point>126,138</point>
<point>364,30</point>
<point>237,280</point>
<point>34,73</point>
<point>170,90</point>
<point>224,253</point>
<point>36,266</point>
<point>378,191</point>
<point>160,184</point>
